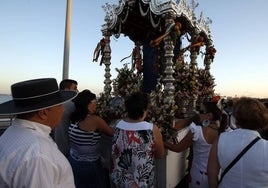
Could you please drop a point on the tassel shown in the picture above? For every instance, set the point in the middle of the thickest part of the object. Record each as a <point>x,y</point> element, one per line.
<point>99,50</point>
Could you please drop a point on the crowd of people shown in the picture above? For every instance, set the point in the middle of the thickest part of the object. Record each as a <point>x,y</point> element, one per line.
<point>54,141</point>
<point>200,138</point>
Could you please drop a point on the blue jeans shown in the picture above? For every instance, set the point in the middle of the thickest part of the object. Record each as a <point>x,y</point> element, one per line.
<point>88,174</point>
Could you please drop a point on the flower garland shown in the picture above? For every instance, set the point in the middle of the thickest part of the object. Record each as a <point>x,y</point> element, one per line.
<point>206,80</point>
<point>127,82</point>
<point>189,82</point>
<point>186,85</point>
<point>162,112</point>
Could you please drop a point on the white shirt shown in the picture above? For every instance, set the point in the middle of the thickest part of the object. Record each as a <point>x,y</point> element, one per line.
<point>201,151</point>
<point>30,158</point>
<point>252,168</point>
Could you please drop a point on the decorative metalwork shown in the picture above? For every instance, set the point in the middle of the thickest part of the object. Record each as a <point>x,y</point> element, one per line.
<point>160,8</point>
<point>169,47</point>
<point>107,63</point>
<point>204,24</point>
<point>158,16</point>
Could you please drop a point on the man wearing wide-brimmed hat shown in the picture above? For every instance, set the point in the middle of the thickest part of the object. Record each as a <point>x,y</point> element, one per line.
<point>28,155</point>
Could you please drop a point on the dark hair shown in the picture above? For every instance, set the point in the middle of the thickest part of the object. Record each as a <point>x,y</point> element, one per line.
<point>230,103</point>
<point>211,107</point>
<point>250,113</point>
<point>217,114</point>
<point>81,102</point>
<point>66,84</point>
<point>136,104</point>
<point>223,123</point>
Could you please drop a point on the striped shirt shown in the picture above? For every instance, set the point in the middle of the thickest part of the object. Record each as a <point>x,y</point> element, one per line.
<point>85,145</point>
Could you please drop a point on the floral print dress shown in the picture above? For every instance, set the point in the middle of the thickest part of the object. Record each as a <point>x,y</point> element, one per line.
<point>133,163</point>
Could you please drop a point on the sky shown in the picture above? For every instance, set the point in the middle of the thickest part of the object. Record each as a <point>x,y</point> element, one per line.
<point>32,43</point>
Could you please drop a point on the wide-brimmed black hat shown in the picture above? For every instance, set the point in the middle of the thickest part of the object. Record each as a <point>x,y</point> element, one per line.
<point>33,95</point>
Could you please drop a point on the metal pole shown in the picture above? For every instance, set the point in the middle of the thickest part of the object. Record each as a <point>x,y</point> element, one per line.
<point>65,72</point>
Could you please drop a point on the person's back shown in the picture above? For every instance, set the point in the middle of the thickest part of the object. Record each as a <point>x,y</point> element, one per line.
<point>203,138</point>
<point>85,145</point>
<point>135,146</point>
<point>26,149</point>
<point>252,169</point>
<point>85,134</point>
<point>133,151</point>
<point>200,138</point>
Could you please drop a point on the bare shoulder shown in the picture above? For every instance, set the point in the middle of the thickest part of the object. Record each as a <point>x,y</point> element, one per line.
<point>210,134</point>
<point>156,131</point>
<point>93,118</point>
<point>159,144</point>
<point>156,128</point>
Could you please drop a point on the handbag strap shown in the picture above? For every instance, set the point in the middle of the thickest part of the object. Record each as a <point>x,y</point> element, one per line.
<point>238,157</point>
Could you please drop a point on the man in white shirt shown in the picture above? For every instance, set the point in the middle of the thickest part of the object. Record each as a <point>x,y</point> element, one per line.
<point>28,155</point>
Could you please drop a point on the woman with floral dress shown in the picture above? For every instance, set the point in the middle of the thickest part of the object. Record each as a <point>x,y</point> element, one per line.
<point>136,144</point>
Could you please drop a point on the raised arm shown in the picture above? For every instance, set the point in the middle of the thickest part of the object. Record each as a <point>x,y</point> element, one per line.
<point>193,117</point>
<point>104,127</point>
<point>186,142</point>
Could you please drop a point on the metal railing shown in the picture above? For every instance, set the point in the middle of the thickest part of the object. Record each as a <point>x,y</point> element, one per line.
<point>5,122</point>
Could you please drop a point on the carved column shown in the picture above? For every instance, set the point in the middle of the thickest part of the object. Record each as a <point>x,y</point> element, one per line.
<point>107,59</point>
<point>210,52</point>
<point>168,80</point>
<point>169,102</point>
<point>207,62</point>
<point>169,70</point>
<point>107,63</point>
